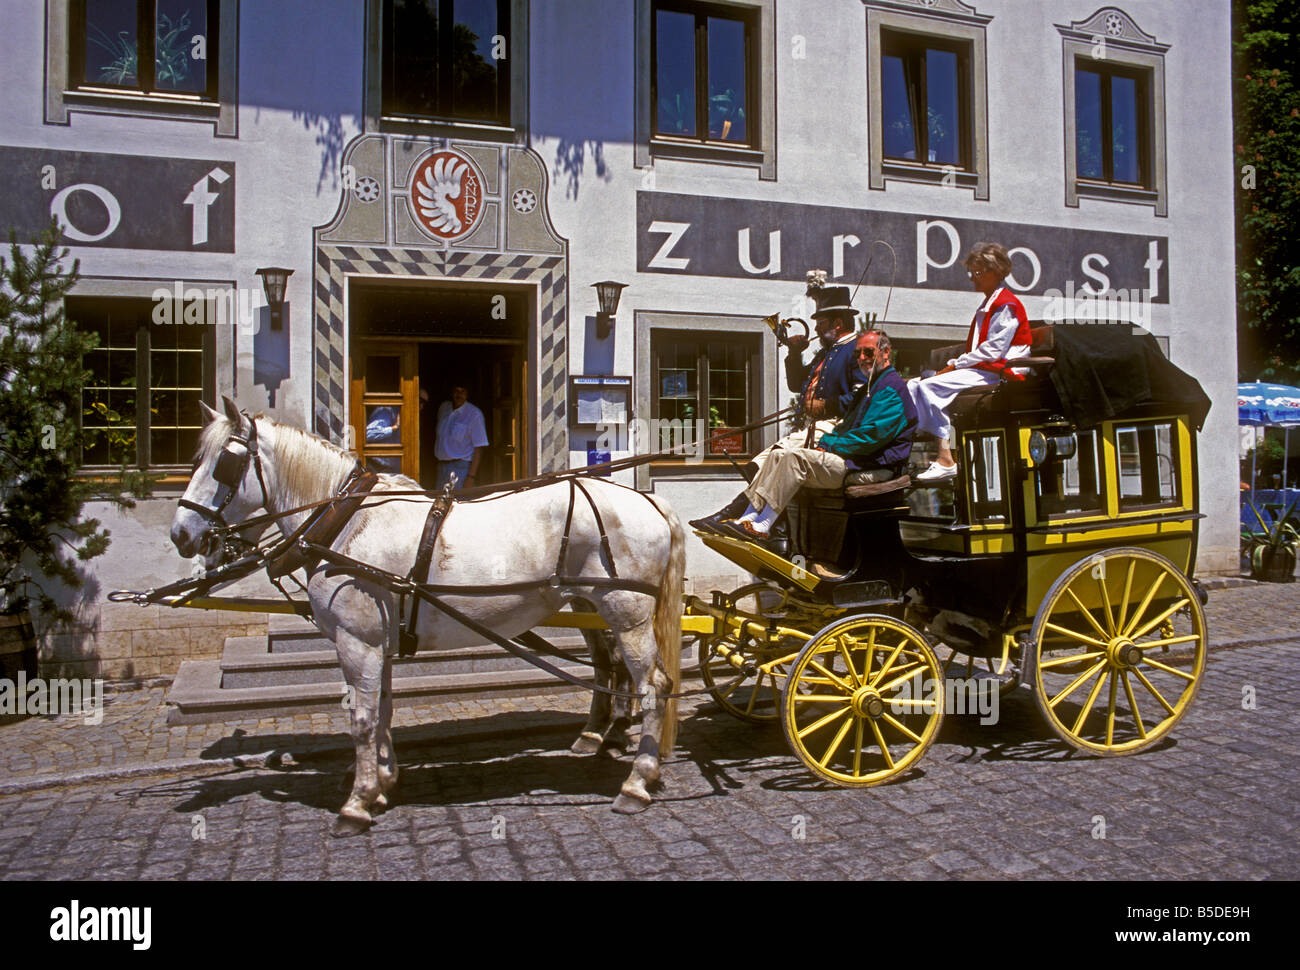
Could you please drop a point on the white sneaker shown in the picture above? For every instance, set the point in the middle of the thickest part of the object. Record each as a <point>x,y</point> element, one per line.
<point>937,473</point>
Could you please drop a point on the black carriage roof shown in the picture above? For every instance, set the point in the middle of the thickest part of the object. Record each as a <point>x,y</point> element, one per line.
<point>1101,372</point>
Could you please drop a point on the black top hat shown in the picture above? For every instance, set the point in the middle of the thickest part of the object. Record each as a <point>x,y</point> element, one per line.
<point>833,300</point>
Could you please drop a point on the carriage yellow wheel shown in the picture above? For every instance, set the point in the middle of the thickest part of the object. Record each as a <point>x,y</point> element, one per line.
<point>864,700</point>
<point>1119,649</point>
<point>753,696</point>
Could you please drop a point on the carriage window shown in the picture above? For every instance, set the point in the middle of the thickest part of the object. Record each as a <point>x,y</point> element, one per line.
<point>1072,486</point>
<point>703,385</point>
<point>988,498</point>
<point>1148,464</point>
<point>140,404</point>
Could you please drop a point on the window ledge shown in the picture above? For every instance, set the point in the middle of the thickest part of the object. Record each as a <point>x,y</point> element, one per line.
<point>706,152</point>
<point>438,127</point>
<point>183,105</point>
<point>1116,192</point>
<point>932,173</point>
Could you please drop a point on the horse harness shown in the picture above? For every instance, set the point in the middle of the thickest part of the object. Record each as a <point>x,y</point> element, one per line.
<point>309,545</point>
<point>433,523</point>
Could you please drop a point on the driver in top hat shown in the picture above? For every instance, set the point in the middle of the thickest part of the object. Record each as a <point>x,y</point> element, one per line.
<point>825,384</point>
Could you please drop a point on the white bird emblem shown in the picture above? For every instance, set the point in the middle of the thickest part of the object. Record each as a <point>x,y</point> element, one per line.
<point>440,185</point>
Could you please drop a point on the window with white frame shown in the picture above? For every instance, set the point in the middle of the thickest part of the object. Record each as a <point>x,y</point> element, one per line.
<point>927,92</point>
<point>1114,111</point>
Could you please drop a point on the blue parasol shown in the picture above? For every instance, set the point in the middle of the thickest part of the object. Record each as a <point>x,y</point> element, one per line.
<point>1269,405</point>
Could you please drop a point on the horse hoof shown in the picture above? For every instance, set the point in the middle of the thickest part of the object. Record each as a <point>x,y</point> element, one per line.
<point>627,805</point>
<point>345,826</point>
<point>380,804</point>
<point>613,750</point>
<point>586,744</point>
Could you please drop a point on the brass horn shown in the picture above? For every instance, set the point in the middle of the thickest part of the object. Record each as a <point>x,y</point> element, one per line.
<point>781,327</point>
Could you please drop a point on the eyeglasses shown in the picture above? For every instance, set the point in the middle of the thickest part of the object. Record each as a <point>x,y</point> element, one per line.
<point>866,352</point>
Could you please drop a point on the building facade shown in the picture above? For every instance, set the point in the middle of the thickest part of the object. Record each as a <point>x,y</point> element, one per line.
<point>447,179</point>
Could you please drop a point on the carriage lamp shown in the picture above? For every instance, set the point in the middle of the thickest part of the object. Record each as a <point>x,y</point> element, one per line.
<point>607,294</point>
<point>1049,447</point>
<point>274,281</point>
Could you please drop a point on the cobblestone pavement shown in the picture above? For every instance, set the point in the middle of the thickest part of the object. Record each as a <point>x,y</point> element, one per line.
<point>1217,801</point>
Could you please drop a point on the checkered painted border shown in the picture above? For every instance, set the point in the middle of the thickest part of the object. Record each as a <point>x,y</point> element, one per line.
<point>329,338</point>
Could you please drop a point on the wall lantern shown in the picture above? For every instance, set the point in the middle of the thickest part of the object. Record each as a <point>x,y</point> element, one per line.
<point>607,293</point>
<point>274,280</point>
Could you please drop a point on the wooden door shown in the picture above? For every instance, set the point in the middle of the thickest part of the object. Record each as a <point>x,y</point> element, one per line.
<point>385,406</point>
<point>507,414</point>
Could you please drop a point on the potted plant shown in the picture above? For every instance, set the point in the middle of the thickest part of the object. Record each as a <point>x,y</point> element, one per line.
<point>44,538</point>
<point>1272,550</point>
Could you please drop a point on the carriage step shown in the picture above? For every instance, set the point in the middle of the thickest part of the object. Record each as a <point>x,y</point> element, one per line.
<point>198,695</point>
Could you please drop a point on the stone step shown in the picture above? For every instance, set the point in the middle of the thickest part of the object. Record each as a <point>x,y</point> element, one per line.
<point>198,696</point>
<point>245,662</point>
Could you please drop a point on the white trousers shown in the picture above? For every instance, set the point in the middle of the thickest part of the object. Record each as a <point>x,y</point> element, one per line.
<point>933,395</point>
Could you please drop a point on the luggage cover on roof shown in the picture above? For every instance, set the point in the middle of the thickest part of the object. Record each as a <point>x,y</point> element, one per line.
<point>1103,370</point>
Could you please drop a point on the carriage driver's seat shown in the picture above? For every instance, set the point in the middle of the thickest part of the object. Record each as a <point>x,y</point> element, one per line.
<point>820,519</point>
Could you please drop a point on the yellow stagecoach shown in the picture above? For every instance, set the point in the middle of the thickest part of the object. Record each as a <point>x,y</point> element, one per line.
<point>1060,558</point>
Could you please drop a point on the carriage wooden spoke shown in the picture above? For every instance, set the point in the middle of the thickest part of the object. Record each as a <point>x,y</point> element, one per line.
<point>1126,695</point>
<point>863,700</point>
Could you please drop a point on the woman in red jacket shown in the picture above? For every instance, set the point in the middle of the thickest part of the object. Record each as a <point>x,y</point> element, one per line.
<point>999,334</point>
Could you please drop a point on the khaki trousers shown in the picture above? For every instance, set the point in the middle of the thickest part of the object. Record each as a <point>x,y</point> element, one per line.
<point>795,439</point>
<point>787,470</point>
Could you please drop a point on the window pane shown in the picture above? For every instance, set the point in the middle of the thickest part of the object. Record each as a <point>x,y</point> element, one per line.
<point>1147,466</point>
<point>1124,135</point>
<point>111,35</point>
<point>675,72</point>
<point>985,454</point>
<point>473,69</point>
<point>727,68</point>
<point>1087,124</point>
<point>384,424</point>
<point>175,67</point>
<point>411,36</point>
<point>941,112</point>
<point>900,138</point>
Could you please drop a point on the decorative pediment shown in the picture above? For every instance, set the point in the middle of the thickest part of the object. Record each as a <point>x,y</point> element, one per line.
<point>1116,27</point>
<point>949,10</point>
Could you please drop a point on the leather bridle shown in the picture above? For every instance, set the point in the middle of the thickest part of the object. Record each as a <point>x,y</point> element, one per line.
<point>229,471</point>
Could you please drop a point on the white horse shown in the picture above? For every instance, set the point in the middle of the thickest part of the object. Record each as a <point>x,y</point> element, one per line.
<point>249,463</point>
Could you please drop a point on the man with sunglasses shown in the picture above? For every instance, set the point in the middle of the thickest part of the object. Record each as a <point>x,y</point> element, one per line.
<point>825,385</point>
<point>874,438</point>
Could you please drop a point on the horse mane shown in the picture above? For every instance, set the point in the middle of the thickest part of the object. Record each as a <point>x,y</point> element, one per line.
<point>307,467</point>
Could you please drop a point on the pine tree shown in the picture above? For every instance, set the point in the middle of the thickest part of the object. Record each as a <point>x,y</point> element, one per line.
<point>43,535</point>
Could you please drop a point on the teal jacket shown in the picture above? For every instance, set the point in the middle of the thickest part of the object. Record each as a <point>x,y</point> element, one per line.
<point>877,429</point>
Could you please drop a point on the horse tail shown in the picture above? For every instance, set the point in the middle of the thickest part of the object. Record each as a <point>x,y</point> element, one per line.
<point>668,620</point>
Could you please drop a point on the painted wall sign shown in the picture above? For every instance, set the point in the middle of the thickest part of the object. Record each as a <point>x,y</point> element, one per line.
<point>120,201</point>
<point>708,236</point>
<point>447,194</point>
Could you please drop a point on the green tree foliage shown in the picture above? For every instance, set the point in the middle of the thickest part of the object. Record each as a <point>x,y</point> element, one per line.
<point>43,535</point>
<point>1267,154</point>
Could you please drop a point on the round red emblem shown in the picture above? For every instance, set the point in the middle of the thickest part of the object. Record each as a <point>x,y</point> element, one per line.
<point>447,195</point>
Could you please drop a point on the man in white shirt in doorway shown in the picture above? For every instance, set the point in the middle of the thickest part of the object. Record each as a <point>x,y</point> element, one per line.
<point>462,439</point>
